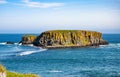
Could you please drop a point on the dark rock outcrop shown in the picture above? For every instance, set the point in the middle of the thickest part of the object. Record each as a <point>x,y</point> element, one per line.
<point>69,38</point>
<point>9,42</point>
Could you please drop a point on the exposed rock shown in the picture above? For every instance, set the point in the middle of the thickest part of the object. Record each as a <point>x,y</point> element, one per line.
<point>69,38</point>
<point>103,42</point>
<point>9,42</point>
<point>28,39</point>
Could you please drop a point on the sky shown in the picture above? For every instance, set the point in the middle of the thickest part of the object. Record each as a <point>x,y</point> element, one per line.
<point>36,16</point>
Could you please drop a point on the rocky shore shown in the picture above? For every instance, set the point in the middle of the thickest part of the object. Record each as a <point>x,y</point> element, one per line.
<point>65,38</point>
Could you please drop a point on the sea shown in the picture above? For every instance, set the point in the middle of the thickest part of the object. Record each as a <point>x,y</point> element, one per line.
<point>100,61</point>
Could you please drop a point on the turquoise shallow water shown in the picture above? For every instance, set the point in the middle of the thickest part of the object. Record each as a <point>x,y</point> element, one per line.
<point>102,61</point>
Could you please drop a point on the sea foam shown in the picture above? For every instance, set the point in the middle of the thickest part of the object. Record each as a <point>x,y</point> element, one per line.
<point>55,71</point>
<point>2,43</point>
<point>111,45</point>
<point>30,52</point>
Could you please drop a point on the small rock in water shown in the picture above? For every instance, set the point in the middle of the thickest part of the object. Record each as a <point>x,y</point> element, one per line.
<point>9,42</point>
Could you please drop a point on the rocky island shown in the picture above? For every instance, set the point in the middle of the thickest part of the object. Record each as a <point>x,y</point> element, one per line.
<point>65,38</point>
<point>28,39</point>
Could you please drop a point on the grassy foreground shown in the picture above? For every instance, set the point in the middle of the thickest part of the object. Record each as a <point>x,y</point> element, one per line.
<point>15,74</point>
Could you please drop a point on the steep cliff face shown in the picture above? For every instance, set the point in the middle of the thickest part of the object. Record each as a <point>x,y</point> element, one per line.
<point>69,38</point>
<point>28,39</point>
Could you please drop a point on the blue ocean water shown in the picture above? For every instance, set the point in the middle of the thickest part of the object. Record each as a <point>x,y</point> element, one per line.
<point>102,61</point>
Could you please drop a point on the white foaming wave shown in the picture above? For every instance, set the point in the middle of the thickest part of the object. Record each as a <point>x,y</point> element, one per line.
<point>117,45</point>
<point>2,43</point>
<point>30,52</point>
<point>16,43</point>
<point>5,43</point>
<point>30,45</point>
<point>111,45</point>
<point>26,53</point>
<point>20,44</point>
<point>55,71</point>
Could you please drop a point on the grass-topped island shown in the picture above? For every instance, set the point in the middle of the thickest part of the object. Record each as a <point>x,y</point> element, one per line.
<point>65,38</point>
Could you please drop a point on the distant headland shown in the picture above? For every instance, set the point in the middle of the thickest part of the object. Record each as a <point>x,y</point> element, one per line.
<point>64,39</point>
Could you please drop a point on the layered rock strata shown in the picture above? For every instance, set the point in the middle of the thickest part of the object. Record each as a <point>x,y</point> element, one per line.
<point>69,38</point>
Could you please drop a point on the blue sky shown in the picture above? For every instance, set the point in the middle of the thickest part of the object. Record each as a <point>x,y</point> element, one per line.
<point>35,16</point>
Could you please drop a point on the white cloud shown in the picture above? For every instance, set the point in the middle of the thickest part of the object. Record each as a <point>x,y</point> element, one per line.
<point>3,1</point>
<point>40,4</point>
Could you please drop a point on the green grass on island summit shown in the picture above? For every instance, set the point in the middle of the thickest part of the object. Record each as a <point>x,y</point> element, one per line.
<point>68,30</point>
<point>13,74</point>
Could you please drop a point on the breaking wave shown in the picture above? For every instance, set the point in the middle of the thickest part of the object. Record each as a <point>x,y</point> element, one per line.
<point>2,43</point>
<point>5,43</point>
<point>55,71</point>
<point>111,45</point>
<point>30,52</point>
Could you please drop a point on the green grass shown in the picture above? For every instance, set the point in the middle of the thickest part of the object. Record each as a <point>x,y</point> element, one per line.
<point>29,35</point>
<point>69,31</point>
<point>66,31</point>
<point>15,74</point>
